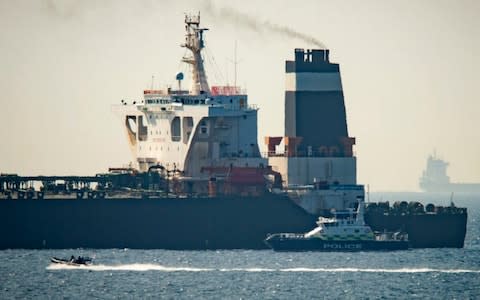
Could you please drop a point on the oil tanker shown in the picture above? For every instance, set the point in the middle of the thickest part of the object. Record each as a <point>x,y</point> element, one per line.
<point>199,181</point>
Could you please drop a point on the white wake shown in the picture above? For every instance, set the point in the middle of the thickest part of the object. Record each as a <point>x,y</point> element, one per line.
<point>156,267</point>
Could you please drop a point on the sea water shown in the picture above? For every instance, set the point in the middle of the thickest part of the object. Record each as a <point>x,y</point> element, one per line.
<point>247,274</point>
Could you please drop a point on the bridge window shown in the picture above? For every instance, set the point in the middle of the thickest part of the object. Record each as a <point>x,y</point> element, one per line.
<point>203,127</point>
<point>187,127</point>
<point>142,130</point>
<point>175,129</point>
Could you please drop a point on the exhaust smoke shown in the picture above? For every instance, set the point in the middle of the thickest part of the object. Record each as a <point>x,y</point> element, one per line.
<point>231,15</point>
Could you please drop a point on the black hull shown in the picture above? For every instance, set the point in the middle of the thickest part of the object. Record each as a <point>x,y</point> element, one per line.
<point>172,223</point>
<point>424,230</point>
<point>188,223</point>
<point>314,244</point>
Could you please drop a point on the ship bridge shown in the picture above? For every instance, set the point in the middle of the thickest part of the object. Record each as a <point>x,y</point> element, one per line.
<point>187,130</point>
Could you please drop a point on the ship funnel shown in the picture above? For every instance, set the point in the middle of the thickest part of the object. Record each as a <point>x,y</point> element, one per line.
<point>315,106</point>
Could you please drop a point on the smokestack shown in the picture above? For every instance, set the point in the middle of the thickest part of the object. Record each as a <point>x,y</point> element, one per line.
<point>299,54</point>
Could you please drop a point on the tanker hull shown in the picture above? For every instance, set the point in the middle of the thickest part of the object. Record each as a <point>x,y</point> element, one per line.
<point>162,223</point>
<point>189,223</point>
<point>424,230</point>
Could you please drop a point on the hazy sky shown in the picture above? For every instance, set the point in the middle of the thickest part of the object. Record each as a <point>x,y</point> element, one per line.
<point>409,72</point>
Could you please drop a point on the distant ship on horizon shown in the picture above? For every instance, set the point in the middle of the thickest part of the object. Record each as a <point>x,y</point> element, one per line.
<point>435,179</point>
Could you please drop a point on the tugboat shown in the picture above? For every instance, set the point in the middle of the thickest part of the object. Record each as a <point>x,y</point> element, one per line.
<point>345,231</point>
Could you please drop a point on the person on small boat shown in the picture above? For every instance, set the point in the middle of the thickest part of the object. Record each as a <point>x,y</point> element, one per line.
<point>77,260</point>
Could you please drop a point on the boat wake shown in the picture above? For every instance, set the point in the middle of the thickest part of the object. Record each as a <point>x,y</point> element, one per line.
<point>161,268</point>
<point>128,267</point>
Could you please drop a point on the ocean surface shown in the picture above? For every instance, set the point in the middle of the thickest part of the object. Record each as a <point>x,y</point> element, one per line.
<point>248,274</point>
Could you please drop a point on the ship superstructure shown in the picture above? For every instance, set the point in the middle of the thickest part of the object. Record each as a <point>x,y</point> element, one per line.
<point>435,179</point>
<point>196,133</point>
<point>317,164</point>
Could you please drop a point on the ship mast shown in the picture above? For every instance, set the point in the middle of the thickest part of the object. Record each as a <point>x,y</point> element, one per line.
<point>195,43</point>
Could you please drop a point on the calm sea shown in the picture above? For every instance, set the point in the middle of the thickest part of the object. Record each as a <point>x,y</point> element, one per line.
<point>243,274</point>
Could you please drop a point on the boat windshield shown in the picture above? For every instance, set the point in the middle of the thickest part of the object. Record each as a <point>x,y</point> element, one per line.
<point>315,231</point>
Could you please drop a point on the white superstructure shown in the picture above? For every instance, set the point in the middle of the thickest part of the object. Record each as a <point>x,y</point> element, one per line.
<point>187,131</point>
<point>343,228</point>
